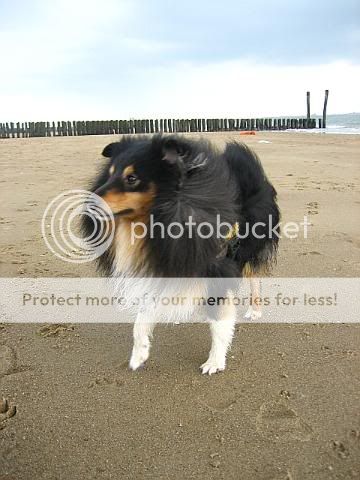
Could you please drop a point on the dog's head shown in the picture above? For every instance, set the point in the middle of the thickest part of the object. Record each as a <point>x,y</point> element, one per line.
<point>140,169</point>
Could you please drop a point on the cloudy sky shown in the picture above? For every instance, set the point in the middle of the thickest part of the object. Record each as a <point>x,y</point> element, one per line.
<point>105,59</point>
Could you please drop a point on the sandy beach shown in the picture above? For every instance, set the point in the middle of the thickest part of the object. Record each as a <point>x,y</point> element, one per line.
<point>286,408</point>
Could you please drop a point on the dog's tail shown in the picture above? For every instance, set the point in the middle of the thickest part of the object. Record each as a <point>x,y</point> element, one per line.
<point>259,213</point>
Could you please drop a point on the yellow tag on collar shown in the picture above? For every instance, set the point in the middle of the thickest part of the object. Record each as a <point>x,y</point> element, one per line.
<point>233,232</point>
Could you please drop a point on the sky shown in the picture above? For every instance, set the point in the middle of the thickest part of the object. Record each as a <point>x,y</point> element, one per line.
<point>121,59</point>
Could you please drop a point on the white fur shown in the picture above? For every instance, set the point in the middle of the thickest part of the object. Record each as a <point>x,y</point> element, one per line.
<point>130,282</point>
<point>253,314</point>
<point>222,331</point>
<point>143,328</point>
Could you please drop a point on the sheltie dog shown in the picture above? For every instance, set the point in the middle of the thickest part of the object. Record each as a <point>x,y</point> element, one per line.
<point>166,180</point>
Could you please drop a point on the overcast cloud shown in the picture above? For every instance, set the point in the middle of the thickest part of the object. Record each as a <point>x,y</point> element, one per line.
<point>145,58</point>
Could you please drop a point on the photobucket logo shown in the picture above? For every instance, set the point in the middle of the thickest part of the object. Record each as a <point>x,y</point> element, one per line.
<point>221,230</point>
<point>60,226</point>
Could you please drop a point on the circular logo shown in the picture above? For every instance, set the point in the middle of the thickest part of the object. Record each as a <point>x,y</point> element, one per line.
<point>61,226</point>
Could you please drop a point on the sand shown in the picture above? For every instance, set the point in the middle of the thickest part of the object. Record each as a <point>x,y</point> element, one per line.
<point>287,406</point>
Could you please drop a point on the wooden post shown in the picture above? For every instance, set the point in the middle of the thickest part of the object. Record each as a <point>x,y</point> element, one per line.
<point>308,105</point>
<point>324,109</point>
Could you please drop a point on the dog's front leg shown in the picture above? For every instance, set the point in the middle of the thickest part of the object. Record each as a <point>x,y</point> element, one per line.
<point>222,331</point>
<point>143,328</point>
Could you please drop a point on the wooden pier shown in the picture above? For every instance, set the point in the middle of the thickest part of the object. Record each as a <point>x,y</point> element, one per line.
<point>120,127</point>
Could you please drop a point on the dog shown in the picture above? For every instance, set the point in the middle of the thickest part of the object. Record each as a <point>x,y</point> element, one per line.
<point>167,180</point>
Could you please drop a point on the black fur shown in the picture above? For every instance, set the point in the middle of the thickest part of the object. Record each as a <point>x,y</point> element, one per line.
<point>193,179</point>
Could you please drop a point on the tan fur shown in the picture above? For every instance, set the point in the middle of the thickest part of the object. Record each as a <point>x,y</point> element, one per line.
<point>139,202</point>
<point>128,171</point>
<point>130,254</point>
<point>255,286</point>
<point>247,270</point>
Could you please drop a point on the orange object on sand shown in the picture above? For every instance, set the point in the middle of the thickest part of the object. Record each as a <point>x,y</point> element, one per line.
<point>248,132</point>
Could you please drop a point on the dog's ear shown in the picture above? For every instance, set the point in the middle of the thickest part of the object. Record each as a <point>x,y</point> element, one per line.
<point>116,148</point>
<point>110,150</point>
<point>173,149</point>
<point>198,162</point>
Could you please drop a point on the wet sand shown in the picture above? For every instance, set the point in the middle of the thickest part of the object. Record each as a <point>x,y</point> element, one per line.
<point>287,407</point>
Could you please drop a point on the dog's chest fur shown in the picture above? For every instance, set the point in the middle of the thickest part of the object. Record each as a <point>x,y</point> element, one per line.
<point>129,252</point>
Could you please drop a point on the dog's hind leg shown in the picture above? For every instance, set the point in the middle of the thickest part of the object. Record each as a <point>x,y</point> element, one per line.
<point>143,329</point>
<point>222,331</point>
<point>254,311</point>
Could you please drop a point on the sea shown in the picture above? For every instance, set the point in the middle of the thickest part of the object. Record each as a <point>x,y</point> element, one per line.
<point>345,124</point>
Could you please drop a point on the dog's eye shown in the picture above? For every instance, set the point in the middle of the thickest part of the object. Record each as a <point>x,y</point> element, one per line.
<point>131,179</point>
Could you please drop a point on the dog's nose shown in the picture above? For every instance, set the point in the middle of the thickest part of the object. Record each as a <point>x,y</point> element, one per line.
<point>103,189</point>
<point>100,191</point>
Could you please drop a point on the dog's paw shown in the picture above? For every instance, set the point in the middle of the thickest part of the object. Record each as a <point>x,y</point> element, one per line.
<point>253,314</point>
<point>138,357</point>
<point>212,365</point>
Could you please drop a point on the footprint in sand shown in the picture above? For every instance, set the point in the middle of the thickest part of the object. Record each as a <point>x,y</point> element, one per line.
<point>314,252</point>
<point>217,403</point>
<point>106,381</point>
<point>274,473</point>
<point>7,360</point>
<point>278,421</point>
<point>54,329</point>
<point>345,237</point>
<point>339,449</point>
<point>299,186</point>
<point>313,208</point>
<point>6,411</point>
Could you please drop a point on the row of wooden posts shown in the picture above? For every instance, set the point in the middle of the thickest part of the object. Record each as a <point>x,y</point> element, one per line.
<point>108,127</point>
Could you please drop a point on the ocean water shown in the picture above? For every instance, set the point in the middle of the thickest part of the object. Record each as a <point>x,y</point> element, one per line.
<point>345,124</point>
<point>348,123</point>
